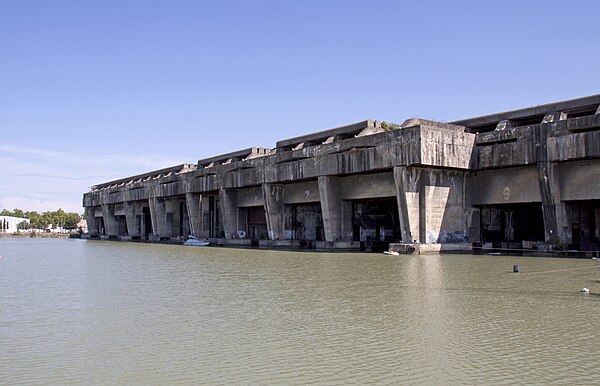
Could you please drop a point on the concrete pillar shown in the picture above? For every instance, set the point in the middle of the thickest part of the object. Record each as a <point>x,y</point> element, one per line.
<point>411,202</point>
<point>158,214</point>
<point>274,210</point>
<point>337,213</point>
<point>111,226</point>
<point>193,204</point>
<point>133,216</point>
<point>401,180</point>
<point>553,208</point>
<point>205,217</point>
<point>92,221</point>
<point>228,203</point>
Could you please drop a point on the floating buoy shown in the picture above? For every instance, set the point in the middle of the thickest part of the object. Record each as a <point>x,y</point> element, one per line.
<point>516,268</point>
<point>585,290</point>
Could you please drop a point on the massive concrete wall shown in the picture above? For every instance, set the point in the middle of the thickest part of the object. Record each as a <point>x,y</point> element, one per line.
<point>434,177</point>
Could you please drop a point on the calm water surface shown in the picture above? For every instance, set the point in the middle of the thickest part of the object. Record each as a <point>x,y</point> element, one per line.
<point>75,311</point>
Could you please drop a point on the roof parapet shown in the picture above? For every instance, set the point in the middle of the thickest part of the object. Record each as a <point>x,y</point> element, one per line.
<point>178,169</point>
<point>550,112</point>
<point>412,122</point>
<point>240,155</point>
<point>358,129</point>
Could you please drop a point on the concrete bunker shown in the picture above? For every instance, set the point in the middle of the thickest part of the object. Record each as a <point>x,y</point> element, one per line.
<point>513,178</point>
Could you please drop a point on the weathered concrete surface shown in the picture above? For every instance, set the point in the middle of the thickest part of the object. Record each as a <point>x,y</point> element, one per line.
<point>373,182</point>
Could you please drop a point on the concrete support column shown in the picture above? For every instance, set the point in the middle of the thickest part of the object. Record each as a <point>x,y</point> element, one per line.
<point>205,217</point>
<point>228,203</point>
<point>158,214</point>
<point>193,204</point>
<point>274,210</point>
<point>133,216</point>
<point>553,208</point>
<point>401,181</point>
<point>111,226</point>
<point>92,221</point>
<point>337,213</point>
<point>411,202</point>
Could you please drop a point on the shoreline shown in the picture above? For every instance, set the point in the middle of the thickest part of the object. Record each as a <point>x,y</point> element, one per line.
<point>37,235</point>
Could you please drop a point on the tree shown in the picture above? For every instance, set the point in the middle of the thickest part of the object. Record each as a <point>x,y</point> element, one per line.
<point>71,220</point>
<point>41,221</point>
<point>35,219</point>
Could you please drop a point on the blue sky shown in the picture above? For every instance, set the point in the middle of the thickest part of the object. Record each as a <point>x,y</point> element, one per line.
<point>92,91</point>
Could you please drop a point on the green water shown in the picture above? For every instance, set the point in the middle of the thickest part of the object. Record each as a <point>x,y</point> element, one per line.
<point>75,311</point>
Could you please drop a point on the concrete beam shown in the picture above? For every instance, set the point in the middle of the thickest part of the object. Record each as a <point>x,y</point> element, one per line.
<point>531,111</point>
<point>321,136</point>
<point>249,153</point>
<point>274,210</point>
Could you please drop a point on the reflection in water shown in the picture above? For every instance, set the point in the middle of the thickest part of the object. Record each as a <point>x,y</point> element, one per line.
<point>78,312</point>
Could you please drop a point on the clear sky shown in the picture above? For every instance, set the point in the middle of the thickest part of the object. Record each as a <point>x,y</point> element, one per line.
<point>92,91</point>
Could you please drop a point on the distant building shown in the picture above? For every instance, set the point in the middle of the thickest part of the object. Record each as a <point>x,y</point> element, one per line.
<point>8,224</point>
<point>82,224</point>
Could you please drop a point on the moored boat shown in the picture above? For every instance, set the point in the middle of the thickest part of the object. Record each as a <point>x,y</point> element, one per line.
<point>193,241</point>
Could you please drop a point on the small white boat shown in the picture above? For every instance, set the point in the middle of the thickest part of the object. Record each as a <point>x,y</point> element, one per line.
<point>394,253</point>
<point>196,242</point>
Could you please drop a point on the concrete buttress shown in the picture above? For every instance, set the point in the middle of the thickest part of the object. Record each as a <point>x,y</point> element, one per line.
<point>193,204</point>
<point>337,213</point>
<point>401,180</point>
<point>110,222</point>
<point>274,210</point>
<point>553,208</point>
<point>158,213</point>
<point>133,215</point>
<point>229,212</point>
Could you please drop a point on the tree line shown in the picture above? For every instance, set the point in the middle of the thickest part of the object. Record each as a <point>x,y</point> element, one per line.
<point>58,218</point>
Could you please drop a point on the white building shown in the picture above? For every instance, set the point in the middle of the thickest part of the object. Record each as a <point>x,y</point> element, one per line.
<point>9,224</point>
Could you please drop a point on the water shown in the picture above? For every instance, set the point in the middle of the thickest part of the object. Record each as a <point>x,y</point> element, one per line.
<point>75,311</point>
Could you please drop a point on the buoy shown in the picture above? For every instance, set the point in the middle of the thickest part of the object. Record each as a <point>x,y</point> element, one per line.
<point>516,268</point>
<point>585,290</point>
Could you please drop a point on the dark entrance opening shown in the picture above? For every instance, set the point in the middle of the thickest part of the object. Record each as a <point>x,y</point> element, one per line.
<point>122,226</point>
<point>512,223</point>
<point>307,223</point>
<point>214,214</point>
<point>101,229</point>
<point>375,223</point>
<point>146,222</point>
<point>256,224</point>
<point>585,225</point>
